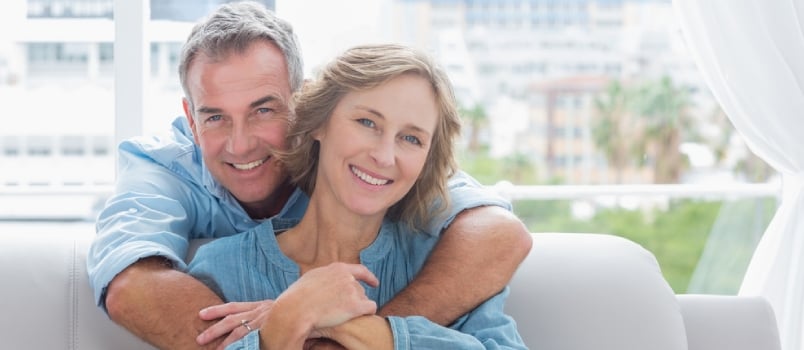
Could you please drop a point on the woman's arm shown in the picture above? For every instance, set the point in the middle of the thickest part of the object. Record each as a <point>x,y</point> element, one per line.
<point>485,327</point>
<point>323,297</point>
<point>369,332</point>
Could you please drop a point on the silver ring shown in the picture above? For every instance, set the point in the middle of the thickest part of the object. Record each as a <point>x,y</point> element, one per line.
<point>244,323</point>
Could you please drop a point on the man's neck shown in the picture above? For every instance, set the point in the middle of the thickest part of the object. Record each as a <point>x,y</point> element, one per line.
<point>271,206</point>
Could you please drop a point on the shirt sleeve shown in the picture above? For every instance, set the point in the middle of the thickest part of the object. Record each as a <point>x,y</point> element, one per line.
<point>250,342</point>
<point>147,215</point>
<point>465,193</point>
<point>485,327</point>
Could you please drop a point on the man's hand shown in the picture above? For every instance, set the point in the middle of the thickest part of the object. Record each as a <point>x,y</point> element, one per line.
<point>160,305</point>
<point>230,317</point>
<point>474,259</point>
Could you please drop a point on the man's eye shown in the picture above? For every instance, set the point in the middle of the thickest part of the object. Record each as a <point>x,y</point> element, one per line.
<point>412,139</point>
<point>214,118</point>
<point>264,110</point>
<point>366,122</point>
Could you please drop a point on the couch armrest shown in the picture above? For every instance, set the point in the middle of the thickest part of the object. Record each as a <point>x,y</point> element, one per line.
<point>593,291</point>
<point>729,322</point>
<point>46,297</point>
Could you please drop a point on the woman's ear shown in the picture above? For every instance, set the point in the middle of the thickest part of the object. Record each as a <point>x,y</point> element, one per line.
<point>318,134</point>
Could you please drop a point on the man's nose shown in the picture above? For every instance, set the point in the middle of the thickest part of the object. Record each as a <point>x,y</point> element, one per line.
<point>240,139</point>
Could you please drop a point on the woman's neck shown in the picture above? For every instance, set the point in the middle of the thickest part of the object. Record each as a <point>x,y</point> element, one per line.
<point>328,232</point>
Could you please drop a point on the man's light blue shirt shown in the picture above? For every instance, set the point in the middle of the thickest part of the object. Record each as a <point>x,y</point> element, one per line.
<point>250,267</point>
<point>165,196</point>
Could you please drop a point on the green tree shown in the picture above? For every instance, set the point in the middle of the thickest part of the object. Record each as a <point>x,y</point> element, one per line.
<point>662,108</point>
<point>519,169</point>
<point>477,119</point>
<point>750,166</point>
<point>611,125</point>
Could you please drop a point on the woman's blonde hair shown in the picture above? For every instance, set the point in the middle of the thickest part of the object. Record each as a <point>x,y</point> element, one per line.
<point>362,68</point>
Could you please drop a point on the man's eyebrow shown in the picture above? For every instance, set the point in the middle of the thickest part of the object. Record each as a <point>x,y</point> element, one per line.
<point>208,110</point>
<point>263,100</point>
<point>255,104</point>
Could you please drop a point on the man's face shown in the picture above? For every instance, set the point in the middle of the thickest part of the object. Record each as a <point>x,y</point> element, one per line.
<point>239,117</point>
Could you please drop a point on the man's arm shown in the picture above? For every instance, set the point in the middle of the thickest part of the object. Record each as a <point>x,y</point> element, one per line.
<point>475,258</point>
<point>160,305</point>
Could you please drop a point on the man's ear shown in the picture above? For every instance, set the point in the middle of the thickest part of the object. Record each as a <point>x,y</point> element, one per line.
<point>188,113</point>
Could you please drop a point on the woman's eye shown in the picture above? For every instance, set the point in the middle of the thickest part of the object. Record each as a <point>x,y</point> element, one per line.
<point>412,139</point>
<point>366,122</point>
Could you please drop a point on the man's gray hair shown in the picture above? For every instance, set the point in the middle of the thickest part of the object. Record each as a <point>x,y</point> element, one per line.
<point>231,29</point>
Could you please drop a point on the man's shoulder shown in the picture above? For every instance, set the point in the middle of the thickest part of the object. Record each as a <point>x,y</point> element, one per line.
<point>160,146</point>
<point>174,151</point>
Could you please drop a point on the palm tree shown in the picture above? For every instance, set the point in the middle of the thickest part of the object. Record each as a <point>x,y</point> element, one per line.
<point>663,109</point>
<point>610,128</point>
<point>477,120</point>
<point>518,168</point>
<point>750,167</point>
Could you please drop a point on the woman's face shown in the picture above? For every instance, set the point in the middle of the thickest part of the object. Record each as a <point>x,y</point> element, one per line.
<point>374,145</point>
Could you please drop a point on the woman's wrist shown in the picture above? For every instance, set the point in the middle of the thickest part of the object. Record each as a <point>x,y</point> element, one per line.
<point>364,332</point>
<point>284,328</point>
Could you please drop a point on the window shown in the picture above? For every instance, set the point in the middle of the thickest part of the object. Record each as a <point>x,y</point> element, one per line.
<point>565,93</point>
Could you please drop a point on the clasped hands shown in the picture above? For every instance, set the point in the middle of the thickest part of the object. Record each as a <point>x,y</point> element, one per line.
<point>313,313</point>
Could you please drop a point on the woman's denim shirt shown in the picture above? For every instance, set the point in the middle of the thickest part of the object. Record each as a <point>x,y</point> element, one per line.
<point>251,267</point>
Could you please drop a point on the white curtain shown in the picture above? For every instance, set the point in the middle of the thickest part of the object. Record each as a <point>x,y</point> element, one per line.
<point>751,53</point>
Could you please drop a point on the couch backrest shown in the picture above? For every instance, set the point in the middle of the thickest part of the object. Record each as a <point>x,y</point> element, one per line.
<point>573,292</point>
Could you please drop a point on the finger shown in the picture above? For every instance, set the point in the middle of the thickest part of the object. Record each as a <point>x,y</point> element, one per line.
<point>222,310</point>
<point>368,307</point>
<point>234,336</point>
<point>227,325</point>
<point>362,273</point>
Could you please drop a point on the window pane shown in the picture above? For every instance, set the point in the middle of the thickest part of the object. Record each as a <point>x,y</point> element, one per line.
<point>572,92</point>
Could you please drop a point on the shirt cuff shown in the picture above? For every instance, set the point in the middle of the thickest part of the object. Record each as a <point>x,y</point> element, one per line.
<point>250,342</point>
<point>399,329</point>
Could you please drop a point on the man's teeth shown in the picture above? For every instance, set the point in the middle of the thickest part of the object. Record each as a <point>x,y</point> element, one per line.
<point>367,178</point>
<point>248,166</point>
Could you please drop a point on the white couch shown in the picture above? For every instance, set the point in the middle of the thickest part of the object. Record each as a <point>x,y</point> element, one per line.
<point>574,292</point>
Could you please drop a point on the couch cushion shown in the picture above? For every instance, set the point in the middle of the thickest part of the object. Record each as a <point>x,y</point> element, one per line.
<point>729,322</point>
<point>46,295</point>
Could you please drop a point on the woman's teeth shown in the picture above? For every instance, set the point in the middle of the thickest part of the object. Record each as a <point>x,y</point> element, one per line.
<point>367,178</point>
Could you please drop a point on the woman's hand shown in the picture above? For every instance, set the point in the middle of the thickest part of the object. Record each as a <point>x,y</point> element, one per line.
<point>231,317</point>
<point>323,297</point>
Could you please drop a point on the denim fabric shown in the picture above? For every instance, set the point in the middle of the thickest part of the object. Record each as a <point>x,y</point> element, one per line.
<point>165,196</point>
<point>250,267</point>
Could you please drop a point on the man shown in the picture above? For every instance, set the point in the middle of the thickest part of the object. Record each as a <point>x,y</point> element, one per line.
<point>219,175</point>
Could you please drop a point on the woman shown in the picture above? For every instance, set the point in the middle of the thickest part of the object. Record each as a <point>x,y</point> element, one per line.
<point>378,126</point>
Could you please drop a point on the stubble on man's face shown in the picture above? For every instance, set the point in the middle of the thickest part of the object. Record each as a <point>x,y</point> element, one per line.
<point>239,119</point>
